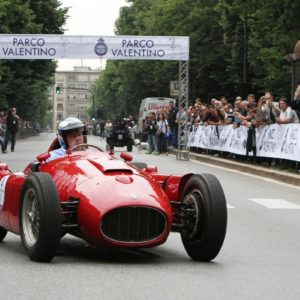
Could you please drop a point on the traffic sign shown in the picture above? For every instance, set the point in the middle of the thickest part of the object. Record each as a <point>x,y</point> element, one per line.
<point>174,88</point>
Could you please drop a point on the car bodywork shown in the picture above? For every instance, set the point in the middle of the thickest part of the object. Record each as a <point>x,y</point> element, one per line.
<point>109,202</point>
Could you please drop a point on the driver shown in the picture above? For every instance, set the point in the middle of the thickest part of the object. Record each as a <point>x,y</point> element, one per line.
<point>70,132</point>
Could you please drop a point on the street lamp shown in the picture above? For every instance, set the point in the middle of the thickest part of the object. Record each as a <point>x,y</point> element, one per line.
<point>294,59</point>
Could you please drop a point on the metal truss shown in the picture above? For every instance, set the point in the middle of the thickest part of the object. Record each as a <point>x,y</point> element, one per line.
<point>183,104</point>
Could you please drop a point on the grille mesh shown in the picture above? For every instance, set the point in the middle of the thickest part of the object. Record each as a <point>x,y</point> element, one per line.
<point>134,224</point>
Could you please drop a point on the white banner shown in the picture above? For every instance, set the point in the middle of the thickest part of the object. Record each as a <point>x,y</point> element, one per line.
<point>277,141</point>
<point>106,47</point>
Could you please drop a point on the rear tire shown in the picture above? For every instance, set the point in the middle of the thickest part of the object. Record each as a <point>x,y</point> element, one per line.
<point>206,227</point>
<point>3,233</point>
<point>40,217</point>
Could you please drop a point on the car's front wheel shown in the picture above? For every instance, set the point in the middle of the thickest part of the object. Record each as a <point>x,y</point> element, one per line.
<point>205,219</point>
<point>3,233</point>
<point>40,217</point>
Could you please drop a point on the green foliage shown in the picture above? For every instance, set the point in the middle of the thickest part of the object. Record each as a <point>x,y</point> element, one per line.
<point>221,33</point>
<point>24,83</point>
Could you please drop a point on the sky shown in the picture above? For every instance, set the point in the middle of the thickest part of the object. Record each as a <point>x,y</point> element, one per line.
<point>89,17</point>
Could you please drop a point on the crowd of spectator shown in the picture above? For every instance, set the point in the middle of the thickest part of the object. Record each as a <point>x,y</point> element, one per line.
<point>248,112</point>
<point>160,130</point>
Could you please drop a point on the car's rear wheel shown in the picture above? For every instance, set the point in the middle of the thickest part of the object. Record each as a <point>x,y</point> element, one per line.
<point>40,217</point>
<point>205,221</point>
<point>3,233</point>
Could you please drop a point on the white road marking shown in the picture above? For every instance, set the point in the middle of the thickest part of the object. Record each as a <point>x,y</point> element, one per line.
<point>275,203</point>
<point>229,206</point>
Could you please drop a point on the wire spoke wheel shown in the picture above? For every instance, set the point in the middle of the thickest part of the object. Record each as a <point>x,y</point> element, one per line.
<point>30,217</point>
<point>204,217</point>
<point>40,217</point>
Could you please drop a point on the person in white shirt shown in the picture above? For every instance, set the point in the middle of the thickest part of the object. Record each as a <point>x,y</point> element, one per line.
<point>287,115</point>
<point>70,132</point>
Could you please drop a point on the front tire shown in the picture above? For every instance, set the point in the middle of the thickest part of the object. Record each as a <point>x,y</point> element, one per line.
<point>3,233</point>
<point>40,217</point>
<point>205,227</point>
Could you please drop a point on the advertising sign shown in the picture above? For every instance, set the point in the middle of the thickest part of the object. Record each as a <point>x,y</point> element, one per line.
<point>107,47</point>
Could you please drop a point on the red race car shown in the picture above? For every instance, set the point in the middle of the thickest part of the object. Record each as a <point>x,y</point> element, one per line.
<point>109,202</point>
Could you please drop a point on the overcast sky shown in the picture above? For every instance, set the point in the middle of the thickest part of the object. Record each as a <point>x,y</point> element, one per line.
<point>89,17</point>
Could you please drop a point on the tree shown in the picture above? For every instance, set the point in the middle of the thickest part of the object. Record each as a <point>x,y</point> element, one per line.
<point>25,83</point>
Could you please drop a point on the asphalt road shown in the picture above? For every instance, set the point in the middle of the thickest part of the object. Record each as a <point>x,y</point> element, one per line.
<point>259,259</point>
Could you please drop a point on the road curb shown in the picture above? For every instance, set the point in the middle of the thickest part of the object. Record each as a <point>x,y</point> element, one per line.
<point>281,176</point>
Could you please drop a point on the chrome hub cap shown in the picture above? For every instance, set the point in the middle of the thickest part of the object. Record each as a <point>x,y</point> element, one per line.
<point>30,217</point>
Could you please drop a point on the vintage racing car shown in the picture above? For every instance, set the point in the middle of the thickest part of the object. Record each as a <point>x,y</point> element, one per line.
<point>109,202</point>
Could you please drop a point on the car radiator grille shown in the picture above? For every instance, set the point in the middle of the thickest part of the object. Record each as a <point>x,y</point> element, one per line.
<point>134,224</point>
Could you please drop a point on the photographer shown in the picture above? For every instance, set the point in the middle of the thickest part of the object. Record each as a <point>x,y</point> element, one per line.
<point>269,108</point>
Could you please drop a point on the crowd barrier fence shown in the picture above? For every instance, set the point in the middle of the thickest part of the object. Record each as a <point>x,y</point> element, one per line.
<point>274,141</point>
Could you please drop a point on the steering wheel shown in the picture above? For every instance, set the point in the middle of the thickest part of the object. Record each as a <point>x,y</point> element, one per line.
<point>83,146</point>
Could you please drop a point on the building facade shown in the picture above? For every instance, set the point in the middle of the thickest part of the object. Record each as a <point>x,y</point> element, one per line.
<point>72,94</point>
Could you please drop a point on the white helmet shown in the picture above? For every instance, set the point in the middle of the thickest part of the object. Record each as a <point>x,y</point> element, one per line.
<point>66,126</point>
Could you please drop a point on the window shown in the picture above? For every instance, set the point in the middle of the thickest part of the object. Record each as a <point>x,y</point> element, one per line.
<point>82,86</point>
<point>60,107</point>
<point>72,76</point>
<point>71,86</point>
<point>59,117</point>
<point>60,77</point>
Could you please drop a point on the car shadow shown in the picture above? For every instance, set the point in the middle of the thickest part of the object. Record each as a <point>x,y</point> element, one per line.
<point>72,248</point>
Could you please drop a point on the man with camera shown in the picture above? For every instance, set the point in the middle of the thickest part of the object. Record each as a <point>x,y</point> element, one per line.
<point>270,109</point>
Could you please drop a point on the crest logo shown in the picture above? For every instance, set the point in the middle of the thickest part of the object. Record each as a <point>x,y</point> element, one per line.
<point>100,47</point>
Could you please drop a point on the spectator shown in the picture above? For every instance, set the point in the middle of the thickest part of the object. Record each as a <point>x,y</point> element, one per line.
<point>213,116</point>
<point>295,103</point>
<point>12,127</point>
<point>198,102</point>
<point>251,99</point>
<point>172,123</point>
<point>228,114</point>
<point>287,115</point>
<point>251,136</point>
<point>270,108</point>
<point>162,133</point>
<point>2,130</point>
<point>108,128</point>
<point>151,131</point>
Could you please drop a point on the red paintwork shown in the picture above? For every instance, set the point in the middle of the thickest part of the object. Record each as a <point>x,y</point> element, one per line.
<point>102,183</point>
